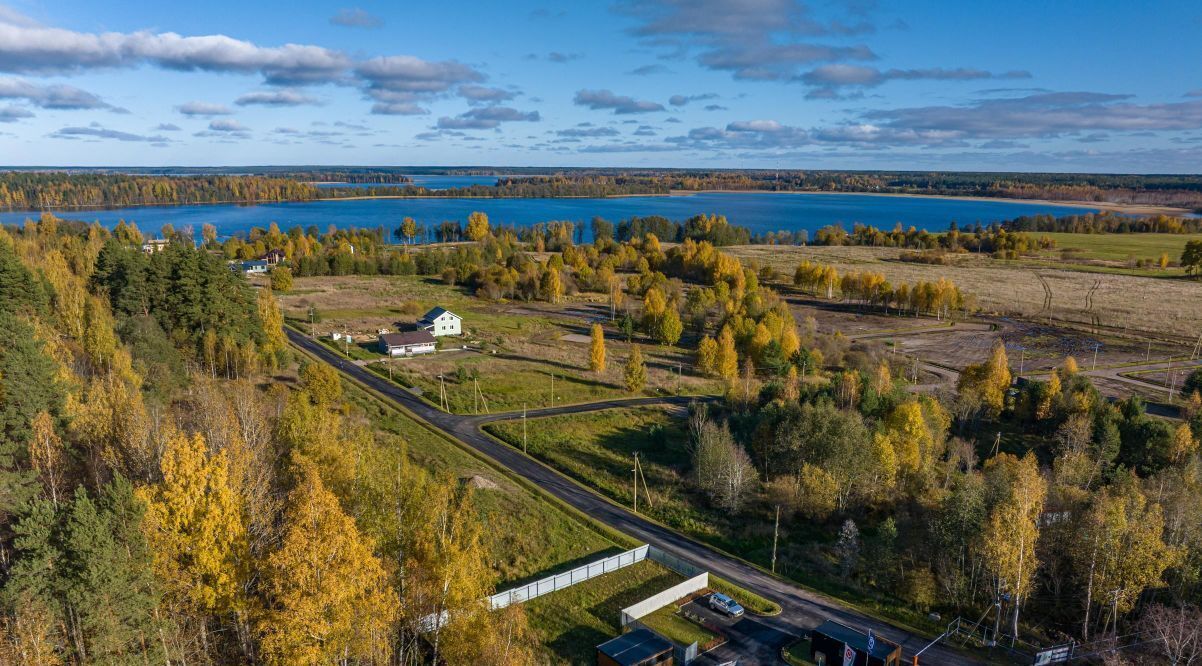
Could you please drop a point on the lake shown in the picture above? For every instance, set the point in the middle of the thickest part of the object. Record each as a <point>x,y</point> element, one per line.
<point>759,212</point>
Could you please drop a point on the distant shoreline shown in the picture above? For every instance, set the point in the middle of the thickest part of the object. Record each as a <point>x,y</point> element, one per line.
<point>1128,209</point>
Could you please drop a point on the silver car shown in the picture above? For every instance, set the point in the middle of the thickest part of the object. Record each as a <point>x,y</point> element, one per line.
<point>724,604</point>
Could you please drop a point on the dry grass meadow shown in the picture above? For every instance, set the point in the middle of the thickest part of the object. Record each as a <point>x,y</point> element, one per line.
<point>1168,306</point>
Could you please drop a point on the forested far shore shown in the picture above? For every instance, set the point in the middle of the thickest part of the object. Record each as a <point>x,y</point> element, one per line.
<point>61,189</point>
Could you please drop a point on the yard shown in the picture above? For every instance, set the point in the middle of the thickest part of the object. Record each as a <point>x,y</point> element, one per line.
<point>671,624</point>
<point>514,348</point>
<point>572,622</point>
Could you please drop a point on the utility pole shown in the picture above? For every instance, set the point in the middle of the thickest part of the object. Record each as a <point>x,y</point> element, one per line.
<point>346,337</point>
<point>523,427</point>
<point>636,481</point>
<point>475,396</point>
<point>552,389</point>
<point>1148,356</point>
<point>775,533</point>
<point>997,443</point>
<point>1095,355</point>
<point>1022,356</point>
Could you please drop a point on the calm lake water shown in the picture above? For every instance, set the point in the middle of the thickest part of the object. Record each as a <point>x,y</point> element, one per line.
<point>760,212</point>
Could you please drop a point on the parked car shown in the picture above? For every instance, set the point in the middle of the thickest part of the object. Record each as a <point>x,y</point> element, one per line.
<point>724,604</point>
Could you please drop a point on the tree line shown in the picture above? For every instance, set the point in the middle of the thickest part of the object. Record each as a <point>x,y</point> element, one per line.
<point>168,499</point>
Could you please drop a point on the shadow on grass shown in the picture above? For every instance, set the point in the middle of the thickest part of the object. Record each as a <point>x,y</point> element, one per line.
<point>561,567</point>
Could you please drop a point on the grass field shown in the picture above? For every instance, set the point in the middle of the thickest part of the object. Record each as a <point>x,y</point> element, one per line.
<point>1120,247</point>
<point>669,623</point>
<point>572,622</point>
<point>1137,303</point>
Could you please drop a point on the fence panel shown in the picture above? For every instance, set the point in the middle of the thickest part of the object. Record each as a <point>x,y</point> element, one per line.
<point>661,599</point>
<point>672,562</point>
<point>568,578</point>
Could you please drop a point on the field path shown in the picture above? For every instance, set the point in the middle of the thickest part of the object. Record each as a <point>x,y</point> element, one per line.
<point>802,609</point>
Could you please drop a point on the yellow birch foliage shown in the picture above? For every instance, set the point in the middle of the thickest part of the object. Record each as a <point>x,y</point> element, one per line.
<point>274,340</point>
<point>728,357</point>
<point>196,526</point>
<point>328,595</point>
<point>1010,533</point>
<point>596,358</point>
<point>707,356</point>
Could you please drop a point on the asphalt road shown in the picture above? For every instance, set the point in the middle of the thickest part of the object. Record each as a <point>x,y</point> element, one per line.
<point>801,609</point>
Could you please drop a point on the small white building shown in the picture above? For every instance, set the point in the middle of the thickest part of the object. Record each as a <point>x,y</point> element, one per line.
<point>408,343</point>
<point>440,321</point>
<point>155,245</point>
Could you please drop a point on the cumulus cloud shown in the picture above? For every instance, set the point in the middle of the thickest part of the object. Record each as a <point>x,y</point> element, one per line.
<point>227,125</point>
<point>474,93</point>
<point>356,18</point>
<point>167,127</point>
<point>203,109</point>
<point>285,97</point>
<point>828,79</point>
<point>398,84</point>
<point>681,100</point>
<point>56,96</point>
<point>752,39</point>
<point>11,113</point>
<point>97,131</point>
<point>225,129</point>
<point>621,104</point>
<point>583,132</point>
<point>489,117</point>
<point>1040,115</point>
<point>43,50</point>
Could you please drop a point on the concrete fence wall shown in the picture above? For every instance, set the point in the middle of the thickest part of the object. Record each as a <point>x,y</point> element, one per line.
<point>658,601</point>
<point>568,578</point>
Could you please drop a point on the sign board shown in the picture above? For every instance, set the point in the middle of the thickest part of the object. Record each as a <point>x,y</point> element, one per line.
<point>849,655</point>
<point>871,642</point>
<point>1054,655</point>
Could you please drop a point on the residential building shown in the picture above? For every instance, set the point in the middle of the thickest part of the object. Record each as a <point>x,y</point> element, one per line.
<point>408,343</point>
<point>440,321</point>
<point>273,257</point>
<point>155,245</point>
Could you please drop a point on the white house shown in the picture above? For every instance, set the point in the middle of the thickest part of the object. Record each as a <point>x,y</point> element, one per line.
<point>408,343</point>
<point>441,322</point>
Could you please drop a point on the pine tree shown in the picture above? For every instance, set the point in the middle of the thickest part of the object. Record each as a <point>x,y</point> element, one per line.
<point>635,373</point>
<point>328,596</point>
<point>596,361</point>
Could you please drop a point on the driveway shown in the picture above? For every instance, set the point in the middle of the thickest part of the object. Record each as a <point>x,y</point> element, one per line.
<point>801,609</point>
<point>750,640</point>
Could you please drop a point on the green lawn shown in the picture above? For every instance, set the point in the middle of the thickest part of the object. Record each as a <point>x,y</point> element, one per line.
<point>1120,247</point>
<point>358,351</point>
<point>669,623</point>
<point>798,653</point>
<point>569,624</point>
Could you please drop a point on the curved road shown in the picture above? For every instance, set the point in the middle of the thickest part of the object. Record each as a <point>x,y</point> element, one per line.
<point>801,609</point>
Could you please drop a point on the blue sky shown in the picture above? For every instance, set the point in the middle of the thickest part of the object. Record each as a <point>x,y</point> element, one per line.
<point>1033,86</point>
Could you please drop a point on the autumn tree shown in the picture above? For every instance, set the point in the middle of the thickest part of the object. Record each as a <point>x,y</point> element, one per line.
<point>408,229</point>
<point>322,383</point>
<point>669,327</point>
<point>634,375</point>
<point>477,226</point>
<point>328,598</point>
<point>551,285</point>
<point>727,358</point>
<point>196,526</point>
<point>987,383</point>
<point>707,356</point>
<point>1009,536</point>
<point>281,279</point>
<point>596,357</point>
<point>275,343</point>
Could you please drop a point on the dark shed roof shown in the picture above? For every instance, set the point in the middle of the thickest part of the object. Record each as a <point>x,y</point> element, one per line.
<point>407,338</point>
<point>857,639</point>
<point>634,647</point>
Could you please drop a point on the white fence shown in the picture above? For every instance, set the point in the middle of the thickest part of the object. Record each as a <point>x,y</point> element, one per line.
<point>568,578</point>
<point>658,601</point>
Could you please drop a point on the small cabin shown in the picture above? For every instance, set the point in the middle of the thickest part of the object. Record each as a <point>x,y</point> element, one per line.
<point>836,644</point>
<point>273,256</point>
<point>640,647</point>
<point>440,322</point>
<point>408,343</point>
